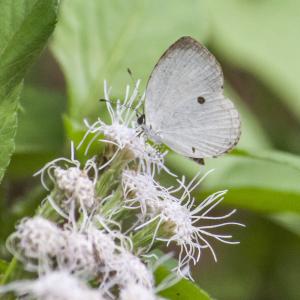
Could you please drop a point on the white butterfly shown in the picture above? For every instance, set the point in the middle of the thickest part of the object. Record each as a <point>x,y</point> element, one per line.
<point>185,107</point>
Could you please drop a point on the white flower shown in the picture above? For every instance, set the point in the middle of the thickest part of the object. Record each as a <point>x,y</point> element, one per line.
<point>103,244</point>
<point>129,269</point>
<point>74,183</point>
<point>53,286</point>
<point>88,253</point>
<point>133,291</point>
<point>124,133</point>
<point>36,242</point>
<point>181,221</point>
<point>78,257</point>
<point>141,191</point>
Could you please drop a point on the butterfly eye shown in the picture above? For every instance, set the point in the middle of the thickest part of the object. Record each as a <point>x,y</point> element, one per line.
<point>141,119</point>
<point>200,100</point>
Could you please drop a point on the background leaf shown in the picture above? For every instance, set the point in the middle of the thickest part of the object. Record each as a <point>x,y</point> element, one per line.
<point>40,120</point>
<point>24,29</point>
<point>264,181</point>
<point>40,135</point>
<point>262,38</point>
<point>140,31</point>
<point>3,266</point>
<point>8,124</point>
<point>289,220</point>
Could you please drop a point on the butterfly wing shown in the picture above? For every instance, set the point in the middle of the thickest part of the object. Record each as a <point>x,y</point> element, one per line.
<point>185,104</point>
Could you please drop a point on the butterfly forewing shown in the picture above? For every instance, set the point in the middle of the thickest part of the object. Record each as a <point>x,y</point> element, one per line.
<point>185,105</point>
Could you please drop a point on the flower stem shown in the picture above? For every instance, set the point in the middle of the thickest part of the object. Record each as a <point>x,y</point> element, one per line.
<point>9,271</point>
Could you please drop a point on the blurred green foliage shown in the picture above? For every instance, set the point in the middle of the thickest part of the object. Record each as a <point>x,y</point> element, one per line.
<point>257,43</point>
<point>261,37</point>
<point>22,37</point>
<point>114,35</point>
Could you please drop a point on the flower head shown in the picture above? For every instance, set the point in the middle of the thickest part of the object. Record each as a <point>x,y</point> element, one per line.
<point>124,134</point>
<point>140,191</point>
<point>58,285</point>
<point>181,221</point>
<point>129,269</point>
<point>78,256</point>
<point>36,242</point>
<point>90,253</point>
<point>76,186</point>
<point>133,291</point>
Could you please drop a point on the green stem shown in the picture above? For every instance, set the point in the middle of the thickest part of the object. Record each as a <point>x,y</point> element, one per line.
<point>143,237</point>
<point>9,271</point>
<point>110,178</point>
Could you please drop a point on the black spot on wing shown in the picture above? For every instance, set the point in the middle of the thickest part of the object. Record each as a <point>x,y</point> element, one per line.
<point>201,100</point>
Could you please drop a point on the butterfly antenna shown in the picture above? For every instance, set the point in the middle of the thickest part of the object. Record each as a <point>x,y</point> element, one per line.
<point>131,76</point>
<point>139,96</point>
<point>129,72</point>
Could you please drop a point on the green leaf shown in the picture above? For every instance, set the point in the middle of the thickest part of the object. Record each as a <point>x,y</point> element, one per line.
<point>264,181</point>
<point>8,124</point>
<point>40,121</point>
<point>100,39</point>
<point>290,221</point>
<point>277,157</point>
<point>40,135</point>
<point>3,266</point>
<point>24,29</point>
<point>261,37</point>
<point>183,290</point>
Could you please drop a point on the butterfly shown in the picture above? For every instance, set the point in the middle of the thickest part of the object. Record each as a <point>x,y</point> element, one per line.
<point>185,107</point>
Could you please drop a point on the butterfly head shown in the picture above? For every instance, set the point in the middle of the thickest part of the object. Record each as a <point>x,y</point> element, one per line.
<point>148,130</point>
<point>141,120</point>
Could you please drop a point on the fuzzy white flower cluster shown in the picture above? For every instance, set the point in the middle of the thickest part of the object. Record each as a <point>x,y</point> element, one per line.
<point>58,285</point>
<point>135,291</point>
<point>95,232</point>
<point>35,242</point>
<point>124,133</point>
<point>180,219</point>
<point>47,249</point>
<point>74,187</point>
